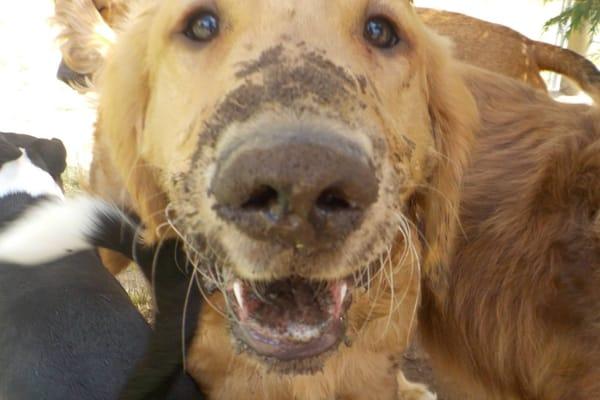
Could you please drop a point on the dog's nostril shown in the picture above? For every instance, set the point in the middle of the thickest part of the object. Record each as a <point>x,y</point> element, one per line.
<point>262,198</point>
<point>333,199</point>
<point>294,187</point>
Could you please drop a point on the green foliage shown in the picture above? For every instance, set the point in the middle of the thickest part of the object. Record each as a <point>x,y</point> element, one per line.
<point>576,15</point>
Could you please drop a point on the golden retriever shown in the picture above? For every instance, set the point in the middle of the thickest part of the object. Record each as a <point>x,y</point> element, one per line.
<point>200,134</point>
<point>515,314</point>
<point>87,34</point>
<point>309,155</point>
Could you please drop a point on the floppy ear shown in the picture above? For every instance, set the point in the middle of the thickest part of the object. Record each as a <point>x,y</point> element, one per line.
<point>124,91</point>
<point>85,37</point>
<point>54,154</point>
<point>454,119</point>
<point>8,151</point>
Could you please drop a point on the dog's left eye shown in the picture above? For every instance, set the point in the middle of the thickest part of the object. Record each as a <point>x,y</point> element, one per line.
<point>202,27</point>
<point>380,32</point>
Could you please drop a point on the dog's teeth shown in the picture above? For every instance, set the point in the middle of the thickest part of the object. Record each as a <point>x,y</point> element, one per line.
<point>343,291</point>
<point>239,293</point>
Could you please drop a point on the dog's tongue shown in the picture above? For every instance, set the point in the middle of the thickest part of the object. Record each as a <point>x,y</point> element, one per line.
<point>290,319</point>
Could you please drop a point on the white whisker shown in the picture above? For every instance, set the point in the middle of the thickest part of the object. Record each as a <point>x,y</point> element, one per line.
<point>183,319</point>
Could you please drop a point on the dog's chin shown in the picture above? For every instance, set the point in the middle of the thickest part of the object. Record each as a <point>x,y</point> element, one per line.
<point>291,325</point>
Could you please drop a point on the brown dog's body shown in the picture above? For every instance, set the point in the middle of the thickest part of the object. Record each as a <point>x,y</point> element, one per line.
<point>516,315</point>
<point>505,51</point>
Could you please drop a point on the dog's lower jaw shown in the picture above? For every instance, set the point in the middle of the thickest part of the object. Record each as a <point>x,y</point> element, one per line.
<point>291,368</point>
<point>359,369</point>
<point>228,369</point>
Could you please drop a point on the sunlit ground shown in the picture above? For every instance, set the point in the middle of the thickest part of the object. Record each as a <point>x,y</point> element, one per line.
<point>31,99</point>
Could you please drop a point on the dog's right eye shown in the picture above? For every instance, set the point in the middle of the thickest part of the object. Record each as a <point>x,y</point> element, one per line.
<point>202,27</point>
<point>381,33</point>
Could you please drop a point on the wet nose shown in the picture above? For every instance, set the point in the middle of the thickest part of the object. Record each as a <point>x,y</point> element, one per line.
<point>296,188</point>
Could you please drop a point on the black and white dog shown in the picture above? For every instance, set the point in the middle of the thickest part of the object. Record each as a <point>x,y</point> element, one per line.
<point>67,328</point>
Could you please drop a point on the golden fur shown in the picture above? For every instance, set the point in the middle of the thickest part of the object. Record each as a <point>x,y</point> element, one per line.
<point>511,315</point>
<point>85,36</point>
<point>516,313</point>
<point>156,92</point>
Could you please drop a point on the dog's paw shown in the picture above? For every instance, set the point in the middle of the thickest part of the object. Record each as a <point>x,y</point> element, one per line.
<point>413,391</point>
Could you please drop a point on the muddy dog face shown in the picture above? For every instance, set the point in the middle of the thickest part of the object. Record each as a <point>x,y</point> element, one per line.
<point>293,145</point>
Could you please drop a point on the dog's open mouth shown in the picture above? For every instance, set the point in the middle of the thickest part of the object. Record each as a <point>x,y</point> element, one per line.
<point>289,320</point>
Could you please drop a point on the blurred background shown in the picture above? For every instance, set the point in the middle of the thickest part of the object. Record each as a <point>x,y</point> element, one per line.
<point>32,101</point>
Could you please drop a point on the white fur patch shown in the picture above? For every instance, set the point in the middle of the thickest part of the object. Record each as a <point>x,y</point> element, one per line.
<point>21,175</point>
<point>51,230</point>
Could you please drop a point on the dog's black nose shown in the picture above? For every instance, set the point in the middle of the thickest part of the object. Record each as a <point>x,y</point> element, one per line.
<point>303,189</point>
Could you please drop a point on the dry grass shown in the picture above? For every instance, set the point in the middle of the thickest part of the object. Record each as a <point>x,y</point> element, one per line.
<point>136,286</point>
<point>75,180</point>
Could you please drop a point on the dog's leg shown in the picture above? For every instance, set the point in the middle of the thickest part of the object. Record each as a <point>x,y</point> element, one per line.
<point>177,306</point>
<point>412,391</point>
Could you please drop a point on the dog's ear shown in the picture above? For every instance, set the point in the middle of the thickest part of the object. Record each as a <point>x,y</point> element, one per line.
<point>85,37</point>
<point>8,151</point>
<point>454,121</point>
<point>124,92</point>
<point>53,153</point>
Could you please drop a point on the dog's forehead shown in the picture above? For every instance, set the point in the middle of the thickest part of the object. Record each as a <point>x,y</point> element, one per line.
<point>271,7</point>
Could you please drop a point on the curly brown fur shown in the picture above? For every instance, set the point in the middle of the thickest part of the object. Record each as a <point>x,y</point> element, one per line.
<point>516,315</point>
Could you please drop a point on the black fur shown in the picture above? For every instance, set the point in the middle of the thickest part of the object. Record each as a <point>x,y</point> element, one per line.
<point>47,154</point>
<point>163,360</point>
<point>68,330</point>
<point>168,269</point>
<point>8,151</point>
<point>14,204</point>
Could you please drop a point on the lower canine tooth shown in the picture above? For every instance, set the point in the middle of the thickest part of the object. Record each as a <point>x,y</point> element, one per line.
<point>343,291</point>
<point>238,291</point>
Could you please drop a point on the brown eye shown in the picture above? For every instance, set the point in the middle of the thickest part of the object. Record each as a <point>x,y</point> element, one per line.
<point>202,27</point>
<point>380,32</point>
